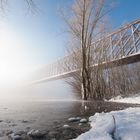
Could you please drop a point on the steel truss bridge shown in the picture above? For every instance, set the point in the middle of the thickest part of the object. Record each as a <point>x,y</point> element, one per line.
<point>119,47</point>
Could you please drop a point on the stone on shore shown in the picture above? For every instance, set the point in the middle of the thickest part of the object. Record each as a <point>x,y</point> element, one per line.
<point>15,137</point>
<point>66,126</point>
<point>83,120</point>
<point>36,133</point>
<point>74,119</point>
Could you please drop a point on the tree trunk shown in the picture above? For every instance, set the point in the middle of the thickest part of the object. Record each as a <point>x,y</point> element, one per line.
<point>84,85</point>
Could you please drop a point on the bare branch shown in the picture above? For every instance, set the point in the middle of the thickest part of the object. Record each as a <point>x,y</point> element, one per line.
<point>31,6</point>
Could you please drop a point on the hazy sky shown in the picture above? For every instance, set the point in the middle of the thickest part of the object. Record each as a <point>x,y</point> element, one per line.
<point>28,41</point>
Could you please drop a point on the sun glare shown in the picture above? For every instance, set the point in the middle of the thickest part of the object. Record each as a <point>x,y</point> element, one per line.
<point>12,63</point>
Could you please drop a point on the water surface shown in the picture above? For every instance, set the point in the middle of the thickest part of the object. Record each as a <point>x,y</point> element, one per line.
<point>43,115</point>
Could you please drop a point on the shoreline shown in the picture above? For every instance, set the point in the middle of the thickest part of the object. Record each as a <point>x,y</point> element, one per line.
<point>66,128</point>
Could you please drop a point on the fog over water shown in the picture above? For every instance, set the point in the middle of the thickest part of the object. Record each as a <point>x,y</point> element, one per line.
<point>54,90</point>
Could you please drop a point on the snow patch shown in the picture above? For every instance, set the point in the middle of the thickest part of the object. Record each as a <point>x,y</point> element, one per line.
<point>102,127</point>
<point>135,99</point>
<point>125,126</point>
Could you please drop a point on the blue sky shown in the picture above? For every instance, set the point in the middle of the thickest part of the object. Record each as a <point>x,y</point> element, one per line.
<point>125,11</point>
<point>43,33</point>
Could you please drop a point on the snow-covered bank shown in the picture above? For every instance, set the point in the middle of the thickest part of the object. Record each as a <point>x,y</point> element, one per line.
<point>132,99</point>
<point>118,125</point>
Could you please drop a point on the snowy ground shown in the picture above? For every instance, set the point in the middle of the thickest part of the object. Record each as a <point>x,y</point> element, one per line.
<point>131,99</point>
<point>116,125</point>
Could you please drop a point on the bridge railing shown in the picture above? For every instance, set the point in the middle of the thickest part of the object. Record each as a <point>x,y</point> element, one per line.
<point>121,43</point>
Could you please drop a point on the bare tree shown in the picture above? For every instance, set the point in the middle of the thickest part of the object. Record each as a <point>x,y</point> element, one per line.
<point>83,22</point>
<point>98,55</point>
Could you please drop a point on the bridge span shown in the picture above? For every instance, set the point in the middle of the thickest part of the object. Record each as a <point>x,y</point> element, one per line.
<point>120,47</point>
